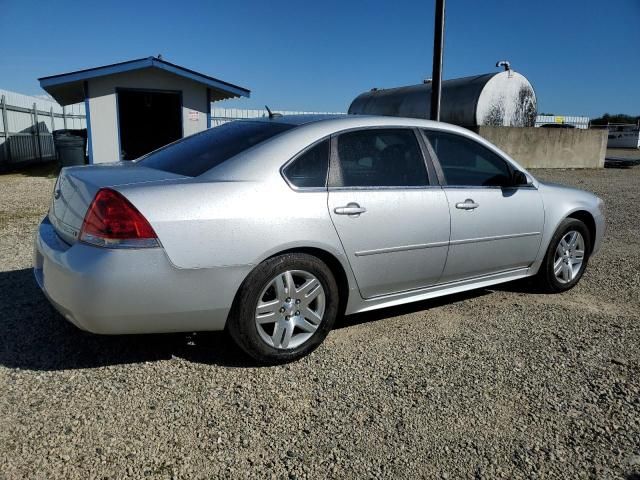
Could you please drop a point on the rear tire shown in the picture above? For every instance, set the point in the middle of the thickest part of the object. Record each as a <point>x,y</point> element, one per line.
<point>284,309</point>
<point>566,258</point>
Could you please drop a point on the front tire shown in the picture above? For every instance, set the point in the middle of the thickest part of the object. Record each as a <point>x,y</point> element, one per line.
<point>566,258</point>
<point>284,309</point>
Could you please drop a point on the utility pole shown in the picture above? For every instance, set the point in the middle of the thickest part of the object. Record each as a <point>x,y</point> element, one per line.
<point>436,73</point>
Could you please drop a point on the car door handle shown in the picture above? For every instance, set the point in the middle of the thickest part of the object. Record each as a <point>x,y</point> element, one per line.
<point>351,209</point>
<point>468,204</point>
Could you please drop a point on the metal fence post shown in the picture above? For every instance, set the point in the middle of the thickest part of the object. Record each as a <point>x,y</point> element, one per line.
<point>37,127</point>
<point>53,127</point>
<point>34,145</point>
<point>64,117</point>
<point>5,127</point>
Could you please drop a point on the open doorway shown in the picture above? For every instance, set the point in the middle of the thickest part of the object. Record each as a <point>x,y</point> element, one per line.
<point>147,120</point>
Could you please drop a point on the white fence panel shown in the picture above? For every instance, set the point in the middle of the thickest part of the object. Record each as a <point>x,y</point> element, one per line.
<point>26,124</point>
<point>576,121</point>
<point>224,115</point>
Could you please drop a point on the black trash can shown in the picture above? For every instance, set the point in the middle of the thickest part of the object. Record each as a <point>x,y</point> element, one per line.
<point>71,146</point>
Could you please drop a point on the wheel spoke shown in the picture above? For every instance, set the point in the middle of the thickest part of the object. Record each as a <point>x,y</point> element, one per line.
<point>578,254</point>
<point>310,315</point>
<point>278,331</point>
<point>557,266</point>
<point>573,237</point>
<point>305,325</point>
<point>288,333</point>
<point>281,290</point>
<point>566,272</point>
<point>289,284</point>
<point>563,244</point>
<point>310,290</point>
<point>267,310</point>
<point>266,319</point>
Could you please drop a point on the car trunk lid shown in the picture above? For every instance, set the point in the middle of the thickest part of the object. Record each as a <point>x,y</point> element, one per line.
<point>77,186</point>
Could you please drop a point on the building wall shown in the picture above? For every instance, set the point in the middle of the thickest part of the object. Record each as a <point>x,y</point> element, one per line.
<point>550,147</point>
<point>104,113</point>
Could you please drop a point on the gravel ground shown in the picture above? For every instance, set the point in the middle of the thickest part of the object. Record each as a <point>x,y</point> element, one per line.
<point>497,383</point>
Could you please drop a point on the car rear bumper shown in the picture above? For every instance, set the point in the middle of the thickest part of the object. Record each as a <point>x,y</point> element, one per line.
<point>116,291</point>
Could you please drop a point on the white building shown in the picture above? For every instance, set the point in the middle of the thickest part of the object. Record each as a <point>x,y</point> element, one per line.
<point>137,106</point>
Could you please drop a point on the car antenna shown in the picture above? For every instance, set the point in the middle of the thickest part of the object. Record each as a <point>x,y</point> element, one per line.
<point>271,114</point>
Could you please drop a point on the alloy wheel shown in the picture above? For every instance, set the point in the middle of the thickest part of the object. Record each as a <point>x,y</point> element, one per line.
<point>569,257</point>
<point>290,309</point>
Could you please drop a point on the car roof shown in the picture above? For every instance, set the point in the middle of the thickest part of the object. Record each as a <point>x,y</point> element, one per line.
<point>267,157</point>
<point>345,121</point>
<point>303,119</point>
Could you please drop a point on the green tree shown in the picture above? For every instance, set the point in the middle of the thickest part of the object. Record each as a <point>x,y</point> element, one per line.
<point>617,118</point>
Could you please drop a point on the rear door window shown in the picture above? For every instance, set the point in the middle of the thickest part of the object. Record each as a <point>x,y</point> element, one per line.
<point>199,153</point>
<point>381,157</point>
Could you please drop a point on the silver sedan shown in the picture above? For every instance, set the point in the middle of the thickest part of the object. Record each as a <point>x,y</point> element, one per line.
<point>272,228</point>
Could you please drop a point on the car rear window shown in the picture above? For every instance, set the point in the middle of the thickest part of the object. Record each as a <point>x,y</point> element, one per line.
<point>194,155</point>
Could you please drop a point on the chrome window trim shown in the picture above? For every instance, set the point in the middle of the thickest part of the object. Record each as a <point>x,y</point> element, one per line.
<point>306,189</point>
<point>373,127</point>
<point>494,187</point>
<point>405,187</point>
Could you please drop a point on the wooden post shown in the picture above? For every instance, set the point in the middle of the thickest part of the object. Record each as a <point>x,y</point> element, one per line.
<point>5,127</point>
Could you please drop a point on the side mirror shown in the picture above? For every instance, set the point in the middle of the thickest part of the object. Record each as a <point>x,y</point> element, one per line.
<point>519,179</point>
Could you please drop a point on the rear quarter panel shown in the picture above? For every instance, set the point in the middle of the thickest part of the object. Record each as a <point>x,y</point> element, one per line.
<point>207,224</point>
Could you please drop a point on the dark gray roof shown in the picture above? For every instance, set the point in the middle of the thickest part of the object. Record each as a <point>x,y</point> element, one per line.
<point>68,88</point>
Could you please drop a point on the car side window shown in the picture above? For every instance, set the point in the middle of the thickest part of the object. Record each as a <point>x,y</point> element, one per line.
<point>309,170</point>
<point>467,163</point>
<point>380,158</point>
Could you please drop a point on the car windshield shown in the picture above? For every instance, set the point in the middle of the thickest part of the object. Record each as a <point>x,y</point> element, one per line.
<point>194,155</point>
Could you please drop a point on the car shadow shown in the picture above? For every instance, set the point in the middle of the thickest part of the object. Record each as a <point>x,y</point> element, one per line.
<point>34,336</point>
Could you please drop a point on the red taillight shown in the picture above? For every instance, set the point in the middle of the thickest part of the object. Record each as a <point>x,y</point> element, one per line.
<point>112,221</point>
